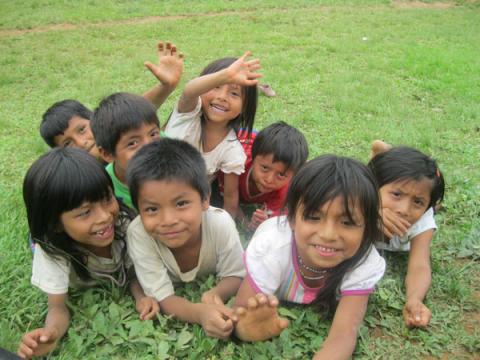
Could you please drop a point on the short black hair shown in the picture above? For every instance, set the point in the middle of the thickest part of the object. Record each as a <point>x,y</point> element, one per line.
<point>406,163</point>
<point>59,181</point>
<point>250,96</point>
<point>286,143</point>
<point>324,179</point>
<point>55,120</point>
<point>117,114</point>
<point>167,160</point>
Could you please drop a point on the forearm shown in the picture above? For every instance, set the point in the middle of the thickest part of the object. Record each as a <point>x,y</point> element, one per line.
<point>230,204</point>
<point>136,289</point>
<point>158,94</point>
<point>226,288</point>
<point>182,309</point>
<point>199,86</point>
<point>58,319</point>
<point>417,281</point>
<point>338,346</point>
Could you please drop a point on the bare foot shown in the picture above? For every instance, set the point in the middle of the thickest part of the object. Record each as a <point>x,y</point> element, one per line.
<point>378,147</point>
<point>260,320</point>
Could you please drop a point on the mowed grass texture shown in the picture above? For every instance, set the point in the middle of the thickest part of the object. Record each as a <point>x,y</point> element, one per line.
<point>345,73</point>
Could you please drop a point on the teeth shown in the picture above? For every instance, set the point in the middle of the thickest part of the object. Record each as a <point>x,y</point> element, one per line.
<point>325,249</point>
<point>219,107</point>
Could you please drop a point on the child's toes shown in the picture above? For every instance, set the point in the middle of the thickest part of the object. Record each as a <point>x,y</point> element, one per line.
<point>252,303</point>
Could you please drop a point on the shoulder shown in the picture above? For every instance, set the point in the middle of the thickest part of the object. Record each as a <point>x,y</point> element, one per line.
<point>136,230</point>
<point>272,238</point>
<point>51,275</point>
<point>176,118</point>
<point>364,276</point>
<point>217,220</point>
<point>426,222</point>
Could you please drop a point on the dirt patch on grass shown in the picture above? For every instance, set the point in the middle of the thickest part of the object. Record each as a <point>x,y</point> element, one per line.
<point>414,4</point>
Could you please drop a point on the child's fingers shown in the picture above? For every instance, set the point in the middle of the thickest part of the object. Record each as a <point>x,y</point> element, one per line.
<point>24,352</point>
<point>226,312</point>
<point>244,56</point>
<point>272,300</point>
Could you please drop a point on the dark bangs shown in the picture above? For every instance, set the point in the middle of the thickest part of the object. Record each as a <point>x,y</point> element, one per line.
<point>250,96</point>
<point>326,177</point>
<point>59,181</point>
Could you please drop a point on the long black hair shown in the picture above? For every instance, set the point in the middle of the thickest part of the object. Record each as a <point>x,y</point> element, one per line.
<point>246,118</point>
<point>322,180</point>
<point>59,181</point>
<point>406,163</point>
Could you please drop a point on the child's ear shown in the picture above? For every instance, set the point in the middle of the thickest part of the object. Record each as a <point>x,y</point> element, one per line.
<point>206,203</point>
<point>106,156</point>
<point>378,147</point>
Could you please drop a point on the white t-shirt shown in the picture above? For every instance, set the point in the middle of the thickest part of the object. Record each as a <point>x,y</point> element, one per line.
<point>157,269</point>
<point>55,276</point>
<point>396,243</point>
<point>272,266</point>
<point>228,156</point>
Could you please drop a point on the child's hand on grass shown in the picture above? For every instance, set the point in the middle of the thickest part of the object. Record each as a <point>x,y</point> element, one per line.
<point>416,314</point>
<point>170,65</point>
<point>147,307</point>
<point>217,320</point>
<point>393,224</point>
<point>243,72</point>
<point>38,342</point>
<point>210,297</point>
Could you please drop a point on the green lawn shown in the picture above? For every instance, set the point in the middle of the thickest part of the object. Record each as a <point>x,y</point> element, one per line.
<point>346,72</point>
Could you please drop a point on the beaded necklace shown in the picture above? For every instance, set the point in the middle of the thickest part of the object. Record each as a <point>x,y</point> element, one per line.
<point>320,273</point>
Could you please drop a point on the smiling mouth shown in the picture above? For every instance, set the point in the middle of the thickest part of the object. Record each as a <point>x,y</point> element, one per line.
<point>325,251</point>
<point>218,108</point>
<point>106,232</point>
<point>171,234</point>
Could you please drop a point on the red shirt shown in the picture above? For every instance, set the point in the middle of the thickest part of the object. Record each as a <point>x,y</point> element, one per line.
<point>272,201</point>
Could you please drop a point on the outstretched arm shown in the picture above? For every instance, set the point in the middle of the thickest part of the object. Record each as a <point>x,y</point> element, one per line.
<point>241,72</point>
<point>168,71</point>
<point>225,289</point>
<point>230,194</point>
<point>41,341</point>
<point>342,337</point>
<point>417,281</point>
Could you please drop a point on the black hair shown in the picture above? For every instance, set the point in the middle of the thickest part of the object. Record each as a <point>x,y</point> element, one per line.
<point>286,143</point>
<point>117,114</point>
<point>167,160</point>
<point>55,120</point>
<point>322,180</point>
<point>59,181</point>
<point>405,163</point>
<point>249,105</point>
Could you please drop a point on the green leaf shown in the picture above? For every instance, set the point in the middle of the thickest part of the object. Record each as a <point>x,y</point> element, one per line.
<point>287,313</point>
<point>184,338</point>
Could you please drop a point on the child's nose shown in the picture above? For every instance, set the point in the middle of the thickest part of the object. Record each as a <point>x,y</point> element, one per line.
<point>168,218</point>
<point>103,214</point>
<point>403,208</point>
<point>327,230</point>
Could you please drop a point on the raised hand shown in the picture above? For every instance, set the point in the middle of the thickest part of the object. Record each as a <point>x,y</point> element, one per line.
<point>393,224</point>
<point>243,71</point>
<point>170,64</point>
<point>260,320</point>
<point>416,314</point>
<point>38,342</point>
<point>258,217</point>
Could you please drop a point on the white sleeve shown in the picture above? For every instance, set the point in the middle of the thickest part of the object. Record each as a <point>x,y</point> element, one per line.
<point>149,268</point>
<point>262,261</point>
<point>426,222</point>
<point>49,274</point>
<point>228,246</point>
<point>178,125</point>
<point>233,159</point>
<point>362,279</point>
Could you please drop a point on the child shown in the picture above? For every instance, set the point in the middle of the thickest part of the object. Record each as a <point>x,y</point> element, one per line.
<point>178,237</point>
<point>67,123</point>
<point>277,153</point>
<point>411,185</point>
<point>211,109</point>
<point>79,230</point>
<point>122,124</point>
<point>322,252</point>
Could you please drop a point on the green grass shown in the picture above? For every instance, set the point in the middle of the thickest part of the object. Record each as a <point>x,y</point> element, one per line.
<point>414,80</point>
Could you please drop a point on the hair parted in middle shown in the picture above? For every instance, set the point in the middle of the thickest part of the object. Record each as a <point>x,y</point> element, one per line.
<point>117,114</point>
<point>322,180</point>
<point>286,143</point>
<point>250,96</point>
<point>168,160</point>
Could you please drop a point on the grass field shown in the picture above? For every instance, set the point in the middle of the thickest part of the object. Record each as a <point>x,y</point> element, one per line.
<point>346,72</point>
